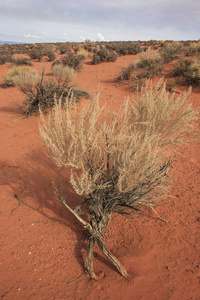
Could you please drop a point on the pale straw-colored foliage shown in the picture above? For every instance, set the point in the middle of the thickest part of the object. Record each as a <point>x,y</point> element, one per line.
<point>123,156</point>
<point>118,160</point>
<point>63,74</point>
<point>21,76</point>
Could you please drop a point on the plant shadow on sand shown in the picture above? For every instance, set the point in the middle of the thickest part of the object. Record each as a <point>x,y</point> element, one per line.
<point>34,186</point>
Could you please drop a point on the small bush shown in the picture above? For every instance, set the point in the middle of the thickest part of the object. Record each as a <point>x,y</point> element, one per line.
<point>169,51</point>
<point>63,74</point>
<point>193,48</point>
<point>126,73</point>
<point>188,71</point>
<point>3,59</point>
<point>41,95</point>
<point>125,48</point>
<point>5,56</point>
<point>82,52</point>
<point>21,61</point>
<point>73,61</point>
<point>88,45</point>
<point>19,73</point>
<point>51,55</point>
<point>64,49</point>
<point>152,62</point>
<point>37,53</point>
<point>104,55</point>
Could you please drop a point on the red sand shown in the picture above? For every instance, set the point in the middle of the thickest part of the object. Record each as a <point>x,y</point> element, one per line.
<point>43,246</point>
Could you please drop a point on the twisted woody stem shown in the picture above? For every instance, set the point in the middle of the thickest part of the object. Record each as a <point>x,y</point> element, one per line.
<point>95,236</point>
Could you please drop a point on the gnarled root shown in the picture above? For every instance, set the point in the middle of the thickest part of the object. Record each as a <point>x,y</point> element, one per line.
<point>106,252</point>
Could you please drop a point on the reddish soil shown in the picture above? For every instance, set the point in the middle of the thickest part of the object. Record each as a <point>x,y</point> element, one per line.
<point>43,246</point>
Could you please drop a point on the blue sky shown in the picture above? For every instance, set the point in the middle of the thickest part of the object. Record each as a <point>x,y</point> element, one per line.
<point>33,21</point>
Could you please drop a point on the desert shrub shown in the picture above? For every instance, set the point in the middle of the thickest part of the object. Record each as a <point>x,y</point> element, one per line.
<point>188,71</point>
<point>193,48</point>
<point>41,95</point>
<point>88,45</point>
<point>5,56</point>
<point>63,74</point>
<point>37,53</point>
<point>126,73</point>
<point>20,49</point>
<point>112,56</point>
<point>73,61</point>
<point>51,55</point>
<point>148,59</point>
<point>13,75</point>
<point>125,48</point>
<point>103,55</point>
<point>169,51</point>
<point>82,52</point>
<point>194,73</point>
<point>151,61</point>
<point>144,49</point>
<point>3,59</point>
<point>27,79</point>
<point>95,59</point>
<point>64,49</point>
<point>21,61</point>
<point>119,160</point>
<point>76,49</point>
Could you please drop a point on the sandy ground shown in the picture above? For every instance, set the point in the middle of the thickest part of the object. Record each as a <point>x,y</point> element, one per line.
<point>43,246</point>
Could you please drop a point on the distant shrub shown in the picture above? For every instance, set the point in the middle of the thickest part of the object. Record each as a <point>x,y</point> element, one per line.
<point>193,48</point>
<point>151,61</point>
<point>126,73</point>
<point>82,52</point>
<point>73,61</point>
<point>104,55</point>
<point>63,74</point>
<point>188,71</point>
<point>125,48</point>
<point>96,59</point>
<point>5,55</point>
<point>51,55</point>
<point>88,45</point>
<point>37,53</point>
<point>3,59</point>
<point>16,74</point>
<point>169,51</point>
<point>64,49</point>
<point>21,61</point>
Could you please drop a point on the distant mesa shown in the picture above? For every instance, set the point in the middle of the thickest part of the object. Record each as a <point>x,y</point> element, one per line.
<point>8,42</point>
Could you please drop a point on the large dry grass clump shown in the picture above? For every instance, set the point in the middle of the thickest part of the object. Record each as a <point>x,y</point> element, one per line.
<point>64,74</point>
<point>119,160</point>
<point>20,75</point>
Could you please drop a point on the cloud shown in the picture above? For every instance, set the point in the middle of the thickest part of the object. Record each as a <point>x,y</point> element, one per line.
<point>82,38</point>
<point>100,36</point>
<point>32,36</point>
<point>81,19</point>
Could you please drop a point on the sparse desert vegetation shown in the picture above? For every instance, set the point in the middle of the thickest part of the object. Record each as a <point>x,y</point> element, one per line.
<point>126,177</point>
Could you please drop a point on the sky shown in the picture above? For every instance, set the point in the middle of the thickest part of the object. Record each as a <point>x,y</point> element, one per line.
<point>38,21</point>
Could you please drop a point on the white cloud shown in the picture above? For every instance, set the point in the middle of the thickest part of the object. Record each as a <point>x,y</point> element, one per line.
<point>82,38</point>
<point>32,36</point>
<point>100,36</point>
